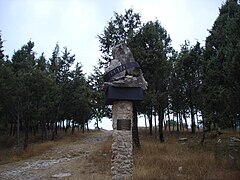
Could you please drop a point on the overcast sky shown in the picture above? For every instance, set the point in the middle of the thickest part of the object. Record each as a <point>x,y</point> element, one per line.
<point>76,23</point>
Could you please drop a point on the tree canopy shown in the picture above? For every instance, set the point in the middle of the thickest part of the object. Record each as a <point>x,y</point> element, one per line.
<point>37,93</point>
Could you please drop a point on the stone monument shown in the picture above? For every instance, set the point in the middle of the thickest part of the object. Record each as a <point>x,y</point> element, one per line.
<point>123,85</point>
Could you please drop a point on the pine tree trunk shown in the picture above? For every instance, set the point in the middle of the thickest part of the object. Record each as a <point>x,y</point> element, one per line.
<point>150,124</point>
<point>73,126</point>
<point>11,128</point>
<point>169,119</point>
<point>6,122</point>
<point>59,125</point>
<point>203,133</point>
<point>197,120</point>
<point>97,122</point>
<point>63,125</point>
<point>54,132</point>
<point>135,135</point>
<point>83,128</point>
<point>165,124</point>
<point>18,128</point>
<point>193,125</point>
<point>45,131</point>
<point>155,125</point>
<point>67,125</point>
<point>173,124</point>
<point>177,122</point>
<point>181,122</point>
<point>145,121</point>
<point>34,130</point>
<point>87,127</point>
<point>185,119</point>
<point>26,125</point>
<point>42,124</point>
<point>160,119</point>
<point>14,128</point>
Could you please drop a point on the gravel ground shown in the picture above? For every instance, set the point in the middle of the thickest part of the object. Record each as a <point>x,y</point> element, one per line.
<point>61,162</point>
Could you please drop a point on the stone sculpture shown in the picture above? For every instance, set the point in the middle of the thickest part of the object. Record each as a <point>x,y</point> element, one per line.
<point>123,70</point>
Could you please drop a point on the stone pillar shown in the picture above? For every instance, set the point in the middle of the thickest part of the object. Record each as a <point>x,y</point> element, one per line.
<point>122,160</point>
<point>123,84</point>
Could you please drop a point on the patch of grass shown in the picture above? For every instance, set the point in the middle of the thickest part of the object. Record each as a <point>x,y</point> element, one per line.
<point>176,160</point>
<point>102,159</point>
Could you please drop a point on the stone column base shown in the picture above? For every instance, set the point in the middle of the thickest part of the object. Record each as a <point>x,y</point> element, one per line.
<point>122,160</point>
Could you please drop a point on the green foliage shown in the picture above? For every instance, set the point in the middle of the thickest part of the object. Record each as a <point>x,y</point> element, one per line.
<point>97,95</point>
<point>35,93</point>
<point>151,48</point>
<point>186,80</point>
<point>1,49</point>
<point>221,67</point>
<point>121,28</point>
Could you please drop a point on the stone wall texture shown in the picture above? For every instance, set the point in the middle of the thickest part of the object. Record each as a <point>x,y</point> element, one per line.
<point>122,160</point>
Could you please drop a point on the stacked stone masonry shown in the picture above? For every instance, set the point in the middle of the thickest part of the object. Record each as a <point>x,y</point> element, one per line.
<point>122,160</point>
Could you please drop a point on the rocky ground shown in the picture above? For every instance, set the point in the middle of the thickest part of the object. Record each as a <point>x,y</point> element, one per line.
<point>69,161</point>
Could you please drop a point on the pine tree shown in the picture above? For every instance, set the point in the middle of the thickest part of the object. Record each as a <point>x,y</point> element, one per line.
<point>152,48</point>
<point>1,49</point>
<point>23,62</point>
<point>96,81</point>
<point>221,70</point>
<point>121,28</point>
<point>188,79</point>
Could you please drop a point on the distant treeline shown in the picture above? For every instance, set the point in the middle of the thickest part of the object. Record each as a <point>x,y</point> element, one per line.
<point>41,96</point>
<point>37,94</point>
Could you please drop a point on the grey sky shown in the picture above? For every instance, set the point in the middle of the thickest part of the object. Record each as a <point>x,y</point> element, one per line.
<point>76,23</point>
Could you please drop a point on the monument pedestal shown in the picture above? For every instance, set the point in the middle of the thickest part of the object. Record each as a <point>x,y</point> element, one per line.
<point>123,84</point>
<point>122,99</point>
<point>122,160</point>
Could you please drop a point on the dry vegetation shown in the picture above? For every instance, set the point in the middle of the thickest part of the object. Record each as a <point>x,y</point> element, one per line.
<point>187,160</point>
<point>216,159</point>
<point>101,161</point>
<point>178,160</point>
<point>10,153</point>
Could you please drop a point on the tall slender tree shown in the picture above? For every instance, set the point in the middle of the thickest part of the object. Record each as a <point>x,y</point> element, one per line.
<point>23,62</point>
<point>96,81</point>
<point>188,70</point>
<point>152,48</point>
<point>221,68</point>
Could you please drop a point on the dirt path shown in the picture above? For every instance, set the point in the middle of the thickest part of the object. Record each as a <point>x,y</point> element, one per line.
<point>62,162</point>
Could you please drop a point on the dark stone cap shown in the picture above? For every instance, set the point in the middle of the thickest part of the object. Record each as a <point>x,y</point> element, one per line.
<point>123,93</point>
